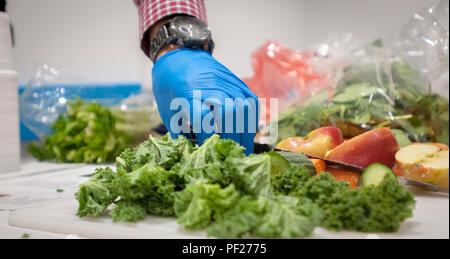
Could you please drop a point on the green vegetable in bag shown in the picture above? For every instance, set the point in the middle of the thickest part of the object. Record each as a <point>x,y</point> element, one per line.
<point>86,133</point>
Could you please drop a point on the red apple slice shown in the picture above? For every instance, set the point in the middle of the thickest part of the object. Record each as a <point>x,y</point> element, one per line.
<point>375,146</point>
<point>317,143</point>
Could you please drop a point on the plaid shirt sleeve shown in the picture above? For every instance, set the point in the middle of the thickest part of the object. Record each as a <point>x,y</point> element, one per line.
<point>151,11</point>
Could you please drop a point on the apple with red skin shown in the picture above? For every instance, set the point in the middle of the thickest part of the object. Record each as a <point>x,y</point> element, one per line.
<point>317,143</point>
<point>375,146</point>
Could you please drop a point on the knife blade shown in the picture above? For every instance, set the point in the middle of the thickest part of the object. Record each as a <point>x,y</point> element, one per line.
<point>407,181</point>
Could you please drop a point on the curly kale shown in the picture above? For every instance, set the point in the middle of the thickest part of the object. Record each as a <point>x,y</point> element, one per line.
<point>320,188</point>
<point>275,217</point>
<point>128,211</point>
<point>151,184</point>
<point>290,182</point>
<point>196,205</point>
<point>369,209</point>
<point>164,152</point>
<point>217,188</point>
<point>95,195</point>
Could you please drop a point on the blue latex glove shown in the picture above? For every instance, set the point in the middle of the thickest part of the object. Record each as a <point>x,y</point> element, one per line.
<point>205,87</point>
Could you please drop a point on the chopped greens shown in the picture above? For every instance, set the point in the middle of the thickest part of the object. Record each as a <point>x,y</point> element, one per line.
<point>291,181</point>
<point>217,188</point>
<point>150,183</point>
<point>369,209</point>
<point>86,133</point>
<point>126,211</point>
<point>95,195</point>
<point>196,205</point>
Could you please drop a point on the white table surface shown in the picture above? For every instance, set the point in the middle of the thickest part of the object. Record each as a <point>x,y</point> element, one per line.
<point>8,232</point>
<point>430,221</point>
<point>34,183</point>
<point>37,183</point>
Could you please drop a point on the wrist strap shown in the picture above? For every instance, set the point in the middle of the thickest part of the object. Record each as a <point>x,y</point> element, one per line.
<point>161,38</point>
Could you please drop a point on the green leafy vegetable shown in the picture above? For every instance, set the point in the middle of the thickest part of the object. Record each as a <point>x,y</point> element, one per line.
<point>196,205</point>
<point>369,209</point>
<point>86,133</point>
<point>139,183</point>
<point>126,211</point>
<point>402,138</point>
<point>299,121</point>
<point>252,174</point>
<point>299,160</point>
<point>217,188</point>
<point>291,181</point>
<point>277,217</point>
<point>164,152</point>
<point>286,218</point>
<point>208,161</point>
<point>354,92</point>
<point>321,188</point>
<point>150,183</point>
<point>95,195</point>
<point>239,220</point>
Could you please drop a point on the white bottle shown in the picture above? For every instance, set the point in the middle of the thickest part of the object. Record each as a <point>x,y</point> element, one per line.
<point>9,107</point>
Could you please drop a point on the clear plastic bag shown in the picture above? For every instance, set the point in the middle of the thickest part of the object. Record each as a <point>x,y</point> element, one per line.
<point>376,90</point>
<point>380,90</point>
<point>372,86</point>
<point>45,98</point>
<point>424,45</point>
<point>138,115</point>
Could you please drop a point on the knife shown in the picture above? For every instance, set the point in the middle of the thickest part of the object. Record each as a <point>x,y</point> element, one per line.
<point>260,148</point>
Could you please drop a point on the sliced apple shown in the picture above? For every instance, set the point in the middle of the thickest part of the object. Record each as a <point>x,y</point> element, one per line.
<point>317,143</point>
<point>424,162</point>
<point>375,146</point>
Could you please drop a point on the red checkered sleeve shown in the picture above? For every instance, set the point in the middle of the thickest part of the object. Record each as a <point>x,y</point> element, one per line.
<point>151,11</point>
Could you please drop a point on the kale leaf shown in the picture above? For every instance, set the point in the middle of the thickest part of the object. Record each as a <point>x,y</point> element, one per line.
<point>164,152</point>
<point>128,211</point>
<point>196,205</point>
<point>150,183</point>
<point>291,181</point>
<point>208,162</point>
<point>95,195</point>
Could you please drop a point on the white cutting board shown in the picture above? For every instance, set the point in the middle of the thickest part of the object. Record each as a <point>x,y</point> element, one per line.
<point>59,217</point>
<point>431,220</point>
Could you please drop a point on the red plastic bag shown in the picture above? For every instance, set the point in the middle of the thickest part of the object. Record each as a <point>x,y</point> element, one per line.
<point>280,72</point>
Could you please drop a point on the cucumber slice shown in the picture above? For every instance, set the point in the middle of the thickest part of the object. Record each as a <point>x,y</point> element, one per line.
<point>375,174</point>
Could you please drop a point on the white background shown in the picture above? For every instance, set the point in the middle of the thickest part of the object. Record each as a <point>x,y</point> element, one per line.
<point>97,40</point>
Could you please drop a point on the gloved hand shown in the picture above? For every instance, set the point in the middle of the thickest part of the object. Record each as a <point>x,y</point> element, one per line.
<point>195,93</point>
